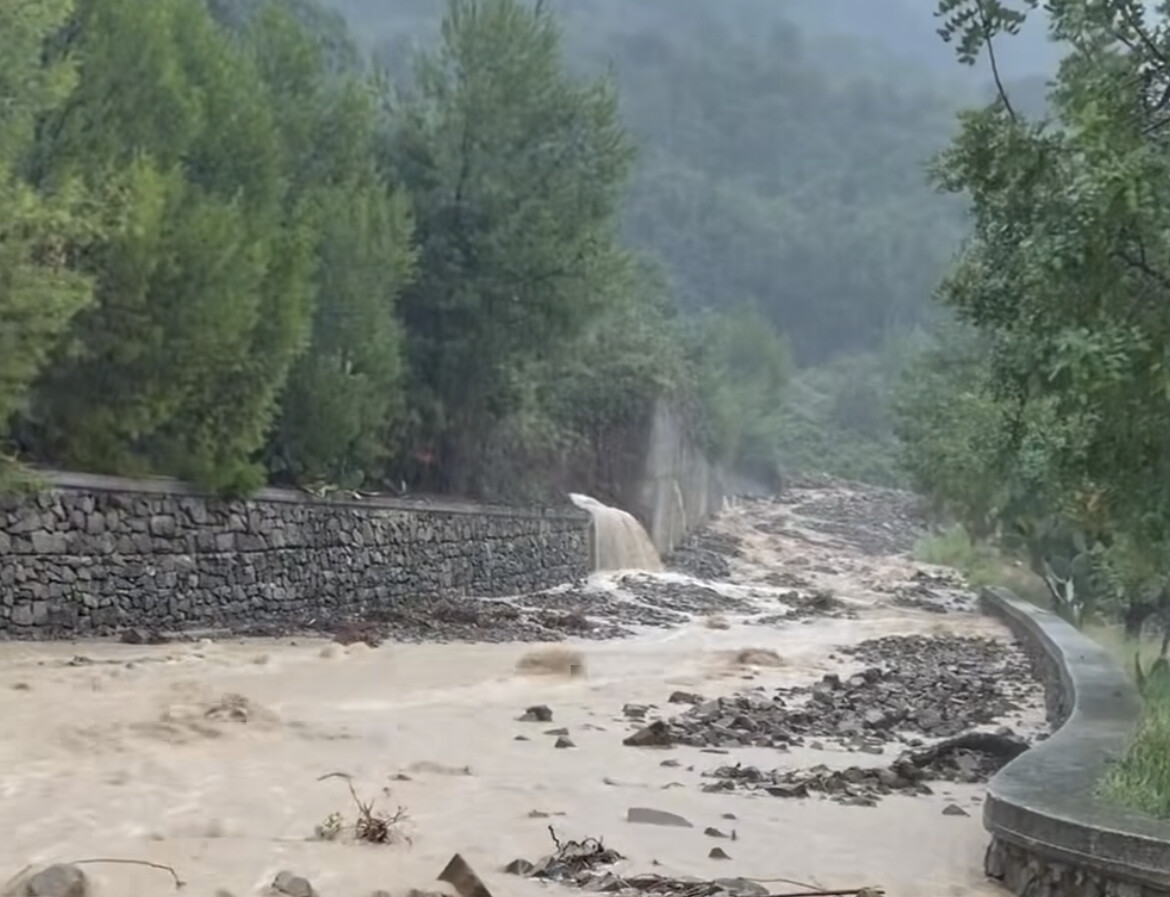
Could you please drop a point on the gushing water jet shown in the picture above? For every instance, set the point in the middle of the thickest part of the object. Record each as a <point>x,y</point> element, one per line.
<point>620,542</point>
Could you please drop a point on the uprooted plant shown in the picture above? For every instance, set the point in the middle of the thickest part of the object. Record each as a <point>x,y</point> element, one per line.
<point>371,825</point>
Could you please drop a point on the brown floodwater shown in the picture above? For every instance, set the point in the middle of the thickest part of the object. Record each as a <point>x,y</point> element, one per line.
<point>108,751</point>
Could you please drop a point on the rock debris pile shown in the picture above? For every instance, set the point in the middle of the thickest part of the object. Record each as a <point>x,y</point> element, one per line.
<point>912,687</point>
<point>934,593</point>
<point>819,603</point>
<point>970,758</point>
<point>871,520</point>
<point>705,554</point>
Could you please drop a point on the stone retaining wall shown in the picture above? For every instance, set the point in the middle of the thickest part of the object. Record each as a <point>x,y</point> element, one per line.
<point>94,554</point>
<point>1052,835</point>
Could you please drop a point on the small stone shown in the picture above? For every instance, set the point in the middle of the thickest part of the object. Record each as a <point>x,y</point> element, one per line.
<point>670,763</point>
<point>59,880</point>
<point>292,885</point>
<point>954,810</point>
<point>657,734</point>
<point>520,867</point>
<point>796,789</point>
<point>521,738</point>
<point>718,853</point>
<point>538,713</point>
<point>685,697</point>
<point>563,742</point>
<point>635,711</point>
<point>741,887</point>
<point>730,816</point>
<point>561,731</point>
<point>713,832</point>
<point>648,816</point>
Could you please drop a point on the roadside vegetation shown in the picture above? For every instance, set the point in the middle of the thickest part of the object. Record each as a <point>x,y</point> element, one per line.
<point>361,252</point>
<point>1040,417</point>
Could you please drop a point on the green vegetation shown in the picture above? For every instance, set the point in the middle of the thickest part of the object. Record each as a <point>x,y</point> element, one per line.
<point>1141,778</point>
<point>468,254</point>
<point>1041,418</point>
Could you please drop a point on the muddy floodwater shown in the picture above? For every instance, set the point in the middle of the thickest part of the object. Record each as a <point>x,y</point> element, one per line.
<point>217,758</point>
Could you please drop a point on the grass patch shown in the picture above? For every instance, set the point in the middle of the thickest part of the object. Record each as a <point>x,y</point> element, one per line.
<point>980,563</point>
<point>1140,780</point>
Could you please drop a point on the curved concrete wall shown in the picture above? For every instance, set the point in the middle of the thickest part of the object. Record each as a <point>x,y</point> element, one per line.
<point>1052,835</point>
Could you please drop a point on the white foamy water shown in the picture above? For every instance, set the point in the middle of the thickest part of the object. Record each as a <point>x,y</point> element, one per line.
<point>620,542</point>
<point>135,754</point>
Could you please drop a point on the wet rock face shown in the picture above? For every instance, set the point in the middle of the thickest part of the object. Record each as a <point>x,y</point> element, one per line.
<point>89,561</point>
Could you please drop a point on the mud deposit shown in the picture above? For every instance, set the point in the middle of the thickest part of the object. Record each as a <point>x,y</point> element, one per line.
<point>794,700</point>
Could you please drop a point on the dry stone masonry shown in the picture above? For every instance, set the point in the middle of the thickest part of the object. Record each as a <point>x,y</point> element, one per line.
<point>92,555</point>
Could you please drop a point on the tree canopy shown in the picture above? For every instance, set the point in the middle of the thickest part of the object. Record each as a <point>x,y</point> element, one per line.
<point>1064,281</point>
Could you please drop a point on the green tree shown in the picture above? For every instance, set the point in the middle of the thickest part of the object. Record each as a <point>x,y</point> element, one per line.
<point>743,365</point>
<point>202,282</point>
<point>39,290</point>
<point>517,171</point>
<point>344,394</point>
<point>1067,274</point>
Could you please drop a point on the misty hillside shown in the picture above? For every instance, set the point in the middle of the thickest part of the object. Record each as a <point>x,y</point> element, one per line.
<point>782,160</point>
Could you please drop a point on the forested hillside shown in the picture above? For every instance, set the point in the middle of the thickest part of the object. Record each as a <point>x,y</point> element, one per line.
<point>459,246</point>
<point>773,168</point>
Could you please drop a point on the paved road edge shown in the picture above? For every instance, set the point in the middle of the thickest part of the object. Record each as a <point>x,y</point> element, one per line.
<point>1051,834</point>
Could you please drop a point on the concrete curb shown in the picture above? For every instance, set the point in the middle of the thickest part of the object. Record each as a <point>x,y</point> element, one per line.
<point>1051,833</point>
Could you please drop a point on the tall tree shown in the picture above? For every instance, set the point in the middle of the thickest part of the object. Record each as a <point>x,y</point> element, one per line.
<point>517,170</point>
<point>344,394</point>
<point>39,290</point>
<point>1067,273</point>
<point>202,284</point>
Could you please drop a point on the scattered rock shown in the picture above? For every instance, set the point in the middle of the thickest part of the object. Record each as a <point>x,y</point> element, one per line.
<point>704,554</point>
<point>291,885</point>
<point>713,832</point>
<point>564,742</point>
<point>58,880</point>
<point>657,734</point>
<point>910,685</point>
<point>741,887</point>
<point>648,816</point>
<point>520,866</point>
<point>561,731</point>
<point>973,757</point>
<point>538,713</point>
<point>954,810</point>
<point>685,697</point>
<point>718,853</point>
